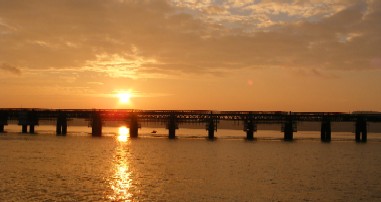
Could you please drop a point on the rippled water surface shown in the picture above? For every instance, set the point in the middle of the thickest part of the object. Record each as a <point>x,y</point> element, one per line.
<point>44,167</point>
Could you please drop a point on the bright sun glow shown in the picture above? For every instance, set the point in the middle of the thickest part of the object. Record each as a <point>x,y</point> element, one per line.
<point>124,97</point>
<point>123,134</point>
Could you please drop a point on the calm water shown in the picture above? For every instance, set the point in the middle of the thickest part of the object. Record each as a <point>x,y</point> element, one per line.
<point>43,167</point>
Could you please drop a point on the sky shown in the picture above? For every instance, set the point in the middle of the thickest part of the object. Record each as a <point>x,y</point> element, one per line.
<point>262,55</point>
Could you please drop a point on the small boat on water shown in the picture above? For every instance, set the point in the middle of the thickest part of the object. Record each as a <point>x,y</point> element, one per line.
<point>154,131</point>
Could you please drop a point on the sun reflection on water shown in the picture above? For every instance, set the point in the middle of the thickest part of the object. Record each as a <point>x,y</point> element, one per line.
<point>121,183</point>
<point>123,133</point>
<point>121,180</point>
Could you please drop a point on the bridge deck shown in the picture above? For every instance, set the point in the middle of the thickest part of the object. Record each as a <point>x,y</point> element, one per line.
<point>187,115</point>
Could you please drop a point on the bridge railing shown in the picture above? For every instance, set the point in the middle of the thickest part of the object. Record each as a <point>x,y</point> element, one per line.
<point>192,115</point>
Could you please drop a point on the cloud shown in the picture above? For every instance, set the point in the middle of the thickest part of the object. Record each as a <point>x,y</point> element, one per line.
<point>265,14</point>
<point>157,38</point>
<point>9,68</point>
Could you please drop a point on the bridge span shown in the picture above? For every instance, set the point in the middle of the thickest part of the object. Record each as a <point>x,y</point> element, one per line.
<point>29,117</point>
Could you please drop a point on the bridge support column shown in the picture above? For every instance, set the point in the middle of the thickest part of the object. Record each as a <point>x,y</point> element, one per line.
<point>28,118</point>
<point>289,128</point>
<point>172,126</point>
<point>61,126</point>
<point>3,120</point>
<point>24,128</point>
<point>211,127</point>
<point>64,128</point>
<point>134,126</point>
<point>31,129</point>
<point>96,125</point>
<point>361,130</point>
<point>325,132</point>
<point>250,135</point>
<point>249,128</point>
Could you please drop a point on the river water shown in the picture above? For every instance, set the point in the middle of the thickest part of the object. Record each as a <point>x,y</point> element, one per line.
<point>43,167</point>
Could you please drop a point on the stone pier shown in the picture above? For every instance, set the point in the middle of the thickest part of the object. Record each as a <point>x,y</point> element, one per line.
<point>28,118</point>
<point>96,124</point>
<point>3,120</point>
<point>134,126</point>
<point>325,132</point>
<point>61,125</point>
<point>250,127</point>
<point>172,126</point>
<point>289,127</point>
<point>211,127</point>
<point>361,132</point>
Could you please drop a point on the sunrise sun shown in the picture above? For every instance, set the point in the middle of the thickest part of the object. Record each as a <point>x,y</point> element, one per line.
<point>124,97</point>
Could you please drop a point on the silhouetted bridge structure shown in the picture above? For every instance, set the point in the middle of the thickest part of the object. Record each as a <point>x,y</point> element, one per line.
<point>30,118</point>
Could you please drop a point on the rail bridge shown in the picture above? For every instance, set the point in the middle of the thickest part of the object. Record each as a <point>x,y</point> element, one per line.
<point>29,117</point>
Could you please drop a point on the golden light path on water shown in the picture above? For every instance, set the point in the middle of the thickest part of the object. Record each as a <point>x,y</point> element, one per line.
<point>121,181</point>
<point>123,134</point>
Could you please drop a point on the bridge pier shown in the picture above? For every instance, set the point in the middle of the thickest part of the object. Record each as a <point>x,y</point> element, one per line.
<point>24,128</point>
<point>96,125</point>
<point>134,126</point>
<point>289,127</point>
<point>61,125</point>
<point>3,120</point>
<point>249,127</point>
<point>31,129</point>
<point>172,126</point>
<point>325,132</point>
<point>361,130</point>
<point>211,126</point>
<point>250,135</point>
<point>28,118</point>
